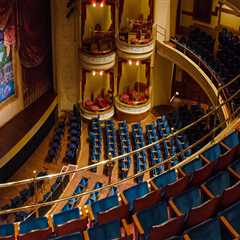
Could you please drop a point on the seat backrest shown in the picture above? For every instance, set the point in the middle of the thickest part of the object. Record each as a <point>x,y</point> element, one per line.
<point>236,166</point>
<point>6,230</point>
<point>135,192</point>
<point>213,153</point>
<point>232,214</point>
<point>192,166</point>
<point>232,140</point>
<point>107,231</point>
<point>33,224</point>
<point>209,230</point>
<point>154,215</point>
<point>188,200</point>
<point>74,236</point>
<point>172,227</point>
<point>66,216</point>
<point>218,183</point>
<point>166,178</point>
<point>105,204</point>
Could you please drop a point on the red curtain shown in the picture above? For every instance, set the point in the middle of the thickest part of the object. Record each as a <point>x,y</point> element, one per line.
<point>150,17</point>
<point>111,81</point>
<point>83,84</point>
<point>84,16</point>
<point>34,32</point>
<point>113,16</point>
<point>7,10</point>
<point>121,6</point>
<point>35,47</point>
<point>119,76</point>
<point>148,73</point>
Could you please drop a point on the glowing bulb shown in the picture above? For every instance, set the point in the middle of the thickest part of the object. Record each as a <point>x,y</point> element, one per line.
<point>177,93</point>
<point>101,73</point>
<point>94,4</point>
<point>130,62</point>
<point>102,4</point>
<point>94,73</point>
<point>137,63</point>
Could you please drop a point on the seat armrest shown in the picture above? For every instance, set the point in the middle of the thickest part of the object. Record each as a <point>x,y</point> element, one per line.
<point>137,224</point>
<point>127,229</point>
<point>174,208</point>
<point>229,227</point>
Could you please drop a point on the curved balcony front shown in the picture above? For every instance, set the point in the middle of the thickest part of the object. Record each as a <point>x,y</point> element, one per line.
<point>97,62</point>
<point>135,51</point>
<point>134,111</point>
<point>102,114</point>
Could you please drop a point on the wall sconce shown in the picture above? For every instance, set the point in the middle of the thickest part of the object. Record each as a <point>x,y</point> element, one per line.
<point>101,73</point>
<point>130,62</point>
<point>94,73</point>
<point>102,4</point>
<point>137,63</point>
<point>94,4</point>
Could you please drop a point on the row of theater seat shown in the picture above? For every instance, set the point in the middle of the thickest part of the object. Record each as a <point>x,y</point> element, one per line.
<point>176,201</point>
<point>125,147</point>
<point>140,158</point>
<point>55,144</point>
<point>225,63</point>
<point>153,133</point>
<point>111,139</point>
<point>18,201</point>
<point>74,133</point>
<point>95,142</point>
<point>81,187</point>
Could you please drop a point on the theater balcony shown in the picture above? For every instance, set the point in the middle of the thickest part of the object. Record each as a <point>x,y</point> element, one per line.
<point>97,94</point>
<point>135,29</point>
<point>97,43</point>
<point>133,99</point>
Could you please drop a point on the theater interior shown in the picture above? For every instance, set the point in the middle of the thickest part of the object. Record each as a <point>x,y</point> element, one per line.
<point>119,119</point>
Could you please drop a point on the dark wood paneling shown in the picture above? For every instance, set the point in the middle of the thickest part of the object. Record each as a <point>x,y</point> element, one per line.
<point>12,132</point>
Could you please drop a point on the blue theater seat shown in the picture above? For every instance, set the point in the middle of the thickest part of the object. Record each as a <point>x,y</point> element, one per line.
<point>135,192</point>
<point>152,216</point>
<point>36,228</point>
<point>232,140</point>
<point>107,231</point>
<point>218,183</point>
<point>104,204</point>
<point>213,153</point>
<point>7,232</point>
<point>211,229</point>
<point>165,178</point>
<point>166,230</point>
<point>188,200</point>
<point>193,165</point>
<point>73,236</point>
<point>236,166</point>
<point>67,222</point>
<point>232,215</point>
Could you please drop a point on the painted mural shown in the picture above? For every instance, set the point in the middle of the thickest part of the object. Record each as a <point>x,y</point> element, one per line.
<point>7,84</point>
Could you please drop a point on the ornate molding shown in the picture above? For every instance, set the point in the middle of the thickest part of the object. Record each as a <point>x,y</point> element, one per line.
<point>99,62</point>
<point>132,109</point>
<point>134,51</point>
<point>88,115</point>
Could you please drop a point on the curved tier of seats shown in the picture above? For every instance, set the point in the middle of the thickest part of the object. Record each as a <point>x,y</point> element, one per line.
<point>173,204</point>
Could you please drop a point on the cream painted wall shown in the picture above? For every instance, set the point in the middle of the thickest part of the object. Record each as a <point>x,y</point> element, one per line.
<point>130,75</point>
<point>227,20</point>
<point>65,43</point>
<point>97,15</point>
<point>13,105</point>
<point>95,84</point>
<point>162,81</point>
<point>162,17</point>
